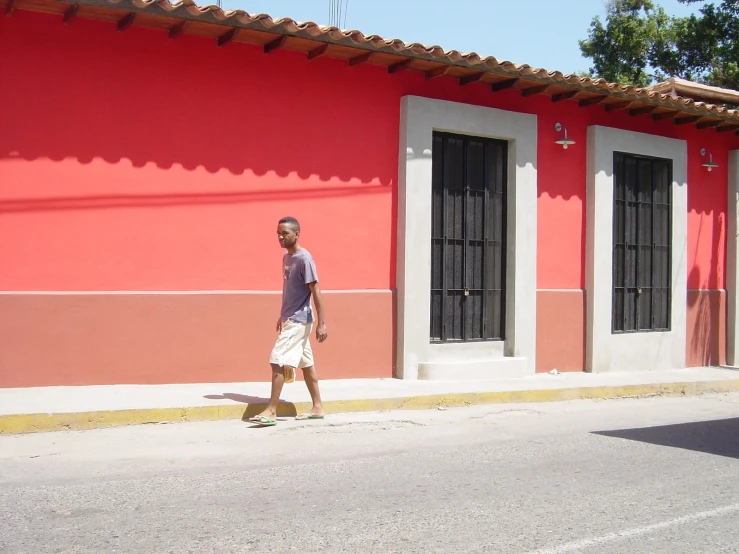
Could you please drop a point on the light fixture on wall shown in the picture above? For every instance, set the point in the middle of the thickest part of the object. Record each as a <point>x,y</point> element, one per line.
<point>565,142</point>
<point>710,164</point>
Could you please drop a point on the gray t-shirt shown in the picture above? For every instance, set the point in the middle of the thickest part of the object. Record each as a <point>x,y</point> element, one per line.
<point>298,270</point>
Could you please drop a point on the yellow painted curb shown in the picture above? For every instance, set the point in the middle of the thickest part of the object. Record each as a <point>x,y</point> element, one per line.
<point>36,423</point>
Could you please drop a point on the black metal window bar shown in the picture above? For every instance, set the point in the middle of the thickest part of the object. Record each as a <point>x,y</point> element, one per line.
<point>468,238</point>
<point>642,219</point>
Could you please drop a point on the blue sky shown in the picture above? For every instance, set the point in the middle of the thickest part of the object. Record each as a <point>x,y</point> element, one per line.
<point>541,33</point>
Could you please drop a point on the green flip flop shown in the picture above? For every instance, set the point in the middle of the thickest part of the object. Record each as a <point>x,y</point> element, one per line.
<point>308,415</point>
<point>264,421</point>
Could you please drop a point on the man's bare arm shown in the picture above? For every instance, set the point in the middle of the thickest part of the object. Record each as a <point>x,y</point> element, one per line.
<point>321,332</point>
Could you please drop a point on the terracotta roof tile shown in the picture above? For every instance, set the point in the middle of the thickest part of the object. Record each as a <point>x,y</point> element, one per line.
<point>189,10</point>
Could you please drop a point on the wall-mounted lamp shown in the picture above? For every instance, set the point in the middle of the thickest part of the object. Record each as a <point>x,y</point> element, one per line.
<point>565,142</point>
<point>710,164</point>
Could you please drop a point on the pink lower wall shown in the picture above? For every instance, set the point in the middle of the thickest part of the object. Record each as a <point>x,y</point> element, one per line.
<point>560,330</point>
<point>100,339</point>
<point>706,325</point>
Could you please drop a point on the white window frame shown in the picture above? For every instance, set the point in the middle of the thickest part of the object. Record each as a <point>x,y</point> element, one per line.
<point>606,351</point>
<point>420,117</point>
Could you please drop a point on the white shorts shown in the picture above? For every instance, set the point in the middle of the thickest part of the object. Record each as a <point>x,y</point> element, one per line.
<point>292,347</point>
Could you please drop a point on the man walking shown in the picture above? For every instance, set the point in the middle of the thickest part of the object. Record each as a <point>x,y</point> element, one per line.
<point>292,349</point>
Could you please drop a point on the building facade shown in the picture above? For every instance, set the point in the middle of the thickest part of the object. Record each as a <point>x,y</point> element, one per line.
<point>147,151</point>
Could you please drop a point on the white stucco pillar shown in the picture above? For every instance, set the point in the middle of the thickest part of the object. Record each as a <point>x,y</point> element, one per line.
<point>732,261</point>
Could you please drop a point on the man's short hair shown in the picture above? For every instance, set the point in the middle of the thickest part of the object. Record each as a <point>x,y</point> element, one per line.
<point>292,222</point>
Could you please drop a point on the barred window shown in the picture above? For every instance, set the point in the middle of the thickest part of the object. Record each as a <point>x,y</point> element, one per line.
<point>468,238</point>
<point>641,243</point>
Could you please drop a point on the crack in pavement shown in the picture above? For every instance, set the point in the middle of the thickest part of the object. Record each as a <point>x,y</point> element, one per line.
<point>352,426</point>
<point>504,412</point>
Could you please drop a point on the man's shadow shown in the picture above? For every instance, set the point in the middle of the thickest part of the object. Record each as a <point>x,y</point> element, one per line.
<point>255,404</point>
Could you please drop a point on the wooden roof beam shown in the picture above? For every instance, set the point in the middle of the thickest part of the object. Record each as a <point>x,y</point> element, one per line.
<point>362,58</point>
<point>178,29</point>
<point>564,95</point>
<point>618,106</point>
<point>10,7</point>
<point>126,21</point>
<point>226,37</point>
<point>474,78</point>
<point>275,44</point>
<point>642,111</point>
<point>585,102</point>
<point>438,72</point>
<point>708,124</point>
<point>317,52</point>
<point>400,66</point>
<point>534,90</point>
<point>727,128</point>
<point>502,85</point>
<point>70,13</point>
<point>687,120</point>
<point>665,115</point>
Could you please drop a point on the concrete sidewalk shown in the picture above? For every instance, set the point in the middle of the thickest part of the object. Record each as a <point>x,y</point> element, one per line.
<point>75,408</point>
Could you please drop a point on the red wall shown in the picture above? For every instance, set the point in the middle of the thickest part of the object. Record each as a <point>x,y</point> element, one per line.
<point>163,164</point>
<point>129,161</point>
<point>562,190</point>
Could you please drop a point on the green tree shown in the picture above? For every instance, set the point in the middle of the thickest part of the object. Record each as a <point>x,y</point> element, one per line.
<point>620,47</point>
<point>639,43</point>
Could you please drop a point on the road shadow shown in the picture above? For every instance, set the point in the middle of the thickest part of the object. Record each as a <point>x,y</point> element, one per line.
<point>255,404</point>
<point>718,436</point>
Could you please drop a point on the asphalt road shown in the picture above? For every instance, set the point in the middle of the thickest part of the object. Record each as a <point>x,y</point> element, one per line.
<point>651,475</point>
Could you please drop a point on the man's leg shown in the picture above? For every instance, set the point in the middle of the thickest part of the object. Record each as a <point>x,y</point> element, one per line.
<point>278,380</point>
<point>310,375</point>
<point>279,354</point>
